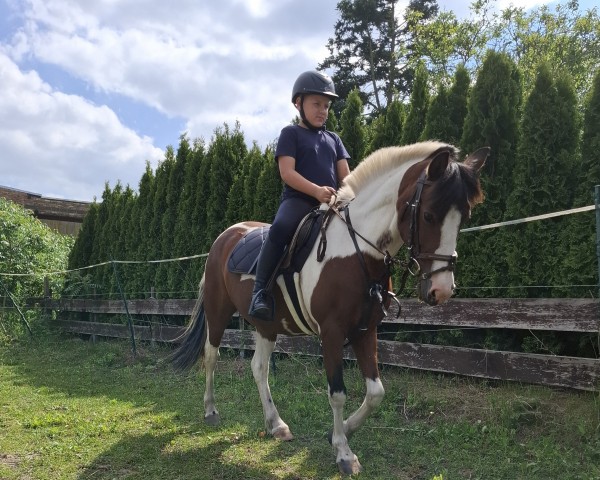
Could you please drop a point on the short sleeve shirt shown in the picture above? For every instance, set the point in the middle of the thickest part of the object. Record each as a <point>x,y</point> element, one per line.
<point>316,154</point>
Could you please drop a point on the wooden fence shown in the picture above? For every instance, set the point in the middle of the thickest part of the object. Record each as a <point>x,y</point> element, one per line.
<point>571,315</point>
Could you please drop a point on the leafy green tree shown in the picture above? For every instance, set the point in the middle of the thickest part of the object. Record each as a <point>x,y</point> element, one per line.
<point>353,128</point>
<point>27,246</point>
<point>417,110</point>
<point>563,36</point>
<point>445,43</point>
<point>545,161</point>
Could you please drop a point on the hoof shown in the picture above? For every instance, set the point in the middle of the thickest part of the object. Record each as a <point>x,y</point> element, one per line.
<point>283,434</point>
<point>213,419</point>
<point>349,468</point>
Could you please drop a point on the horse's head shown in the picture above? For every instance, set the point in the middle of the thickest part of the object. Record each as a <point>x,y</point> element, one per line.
<point>435,198</point>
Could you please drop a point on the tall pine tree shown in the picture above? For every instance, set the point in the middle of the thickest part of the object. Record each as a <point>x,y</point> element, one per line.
<point>417,110</point>
<point>352,127</point>
<point>226,151</point>
<point>545,160</point>
<point>492,120</point>
<point>578,238</point>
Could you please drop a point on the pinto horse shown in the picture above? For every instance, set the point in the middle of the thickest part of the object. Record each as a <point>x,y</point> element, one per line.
<point>416,195</point>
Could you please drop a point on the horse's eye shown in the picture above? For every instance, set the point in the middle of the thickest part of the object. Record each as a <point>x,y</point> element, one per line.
<point>428,217</point>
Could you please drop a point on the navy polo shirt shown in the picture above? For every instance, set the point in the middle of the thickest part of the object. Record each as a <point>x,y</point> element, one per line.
<point>316,154</point>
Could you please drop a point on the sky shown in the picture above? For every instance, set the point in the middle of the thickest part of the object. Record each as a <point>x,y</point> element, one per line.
<point>90,90</point>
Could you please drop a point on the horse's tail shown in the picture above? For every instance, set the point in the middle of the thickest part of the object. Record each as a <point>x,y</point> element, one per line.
<point>191,341</point>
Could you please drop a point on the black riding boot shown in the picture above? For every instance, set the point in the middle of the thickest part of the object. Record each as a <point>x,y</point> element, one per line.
<point>262,303</point>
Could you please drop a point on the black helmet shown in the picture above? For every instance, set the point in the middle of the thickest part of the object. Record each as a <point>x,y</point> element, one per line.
<point>314,82</point>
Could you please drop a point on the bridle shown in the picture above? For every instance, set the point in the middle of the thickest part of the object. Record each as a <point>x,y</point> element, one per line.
<point>411,267</point>
<point>413,245</point>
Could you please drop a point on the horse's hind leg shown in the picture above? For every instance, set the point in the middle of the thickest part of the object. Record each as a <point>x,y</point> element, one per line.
<point>260,369</point>
<point>211,354</point>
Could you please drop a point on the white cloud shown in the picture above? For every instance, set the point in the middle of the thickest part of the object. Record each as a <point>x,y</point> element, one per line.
<point>53,143</point>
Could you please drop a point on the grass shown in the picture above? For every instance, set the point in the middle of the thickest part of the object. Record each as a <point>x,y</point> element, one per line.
<point>70,409</point>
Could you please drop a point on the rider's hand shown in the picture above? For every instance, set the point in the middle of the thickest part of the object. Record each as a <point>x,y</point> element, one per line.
<point>324,194</point>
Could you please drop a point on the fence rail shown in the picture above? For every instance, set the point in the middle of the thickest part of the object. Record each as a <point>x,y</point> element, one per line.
<point>574,315</point>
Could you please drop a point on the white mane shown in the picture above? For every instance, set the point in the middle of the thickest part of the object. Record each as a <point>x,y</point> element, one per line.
<point>381,162</point>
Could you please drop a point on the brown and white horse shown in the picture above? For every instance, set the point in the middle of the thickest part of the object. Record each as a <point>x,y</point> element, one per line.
<point>416,195</point>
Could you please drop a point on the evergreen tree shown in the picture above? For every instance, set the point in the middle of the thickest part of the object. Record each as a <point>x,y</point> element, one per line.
<point>332,124</point>
<point>187,228</point>
<point>373,48</point>
<point>100,252</point>
<point>80,254</point>
<point>457,104</point>
<point>159,207</point>
<point>417,110</point>
<point>492,120</point>
<point>236,203</point>
<point>386,130</point>
<point>268,191</point>
<point>437,119</point>
<point>352,128</point>
<point>226,152</point>
<point>123,224</point>
<point>241,197</point>
<point>141,237</point>
<point>197,221</point>
<point>174,272</point>
<point>545,159</point>
<point>578,237</point>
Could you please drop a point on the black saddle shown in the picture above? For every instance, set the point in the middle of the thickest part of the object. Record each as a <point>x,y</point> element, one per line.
<point>244,256</point>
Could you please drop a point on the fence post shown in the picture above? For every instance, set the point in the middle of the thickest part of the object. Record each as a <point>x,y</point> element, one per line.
<point>130,323</point>
<point>597,201</point>
<point>46,312</point>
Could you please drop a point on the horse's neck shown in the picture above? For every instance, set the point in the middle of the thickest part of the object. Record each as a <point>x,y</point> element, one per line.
<point>373,211</point>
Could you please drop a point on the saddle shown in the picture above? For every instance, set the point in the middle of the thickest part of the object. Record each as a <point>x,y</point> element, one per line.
<point>244,257</point>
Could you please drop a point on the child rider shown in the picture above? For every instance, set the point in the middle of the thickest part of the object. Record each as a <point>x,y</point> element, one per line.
<point>312,164</point>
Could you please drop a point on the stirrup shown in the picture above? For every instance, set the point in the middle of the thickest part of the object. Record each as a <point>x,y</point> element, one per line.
<point>259,306</point>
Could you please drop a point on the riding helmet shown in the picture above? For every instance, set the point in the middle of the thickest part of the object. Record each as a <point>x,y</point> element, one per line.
<point>313,81</point>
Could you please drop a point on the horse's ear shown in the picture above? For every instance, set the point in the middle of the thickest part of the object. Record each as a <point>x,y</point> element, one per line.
<point>438,165</point>
<point>477,159</point>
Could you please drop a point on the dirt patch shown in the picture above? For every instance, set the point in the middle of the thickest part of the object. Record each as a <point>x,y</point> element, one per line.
<point>13,461</point>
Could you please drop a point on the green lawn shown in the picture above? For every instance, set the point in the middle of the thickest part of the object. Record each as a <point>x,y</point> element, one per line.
<point>70,409</point>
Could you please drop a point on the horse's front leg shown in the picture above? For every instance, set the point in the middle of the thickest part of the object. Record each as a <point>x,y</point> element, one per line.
<point>365,349</point>
<point>260,369</point>
<point>347,462</point>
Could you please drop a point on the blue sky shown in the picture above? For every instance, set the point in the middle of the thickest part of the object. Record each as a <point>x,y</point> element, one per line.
<point>92,89</point>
